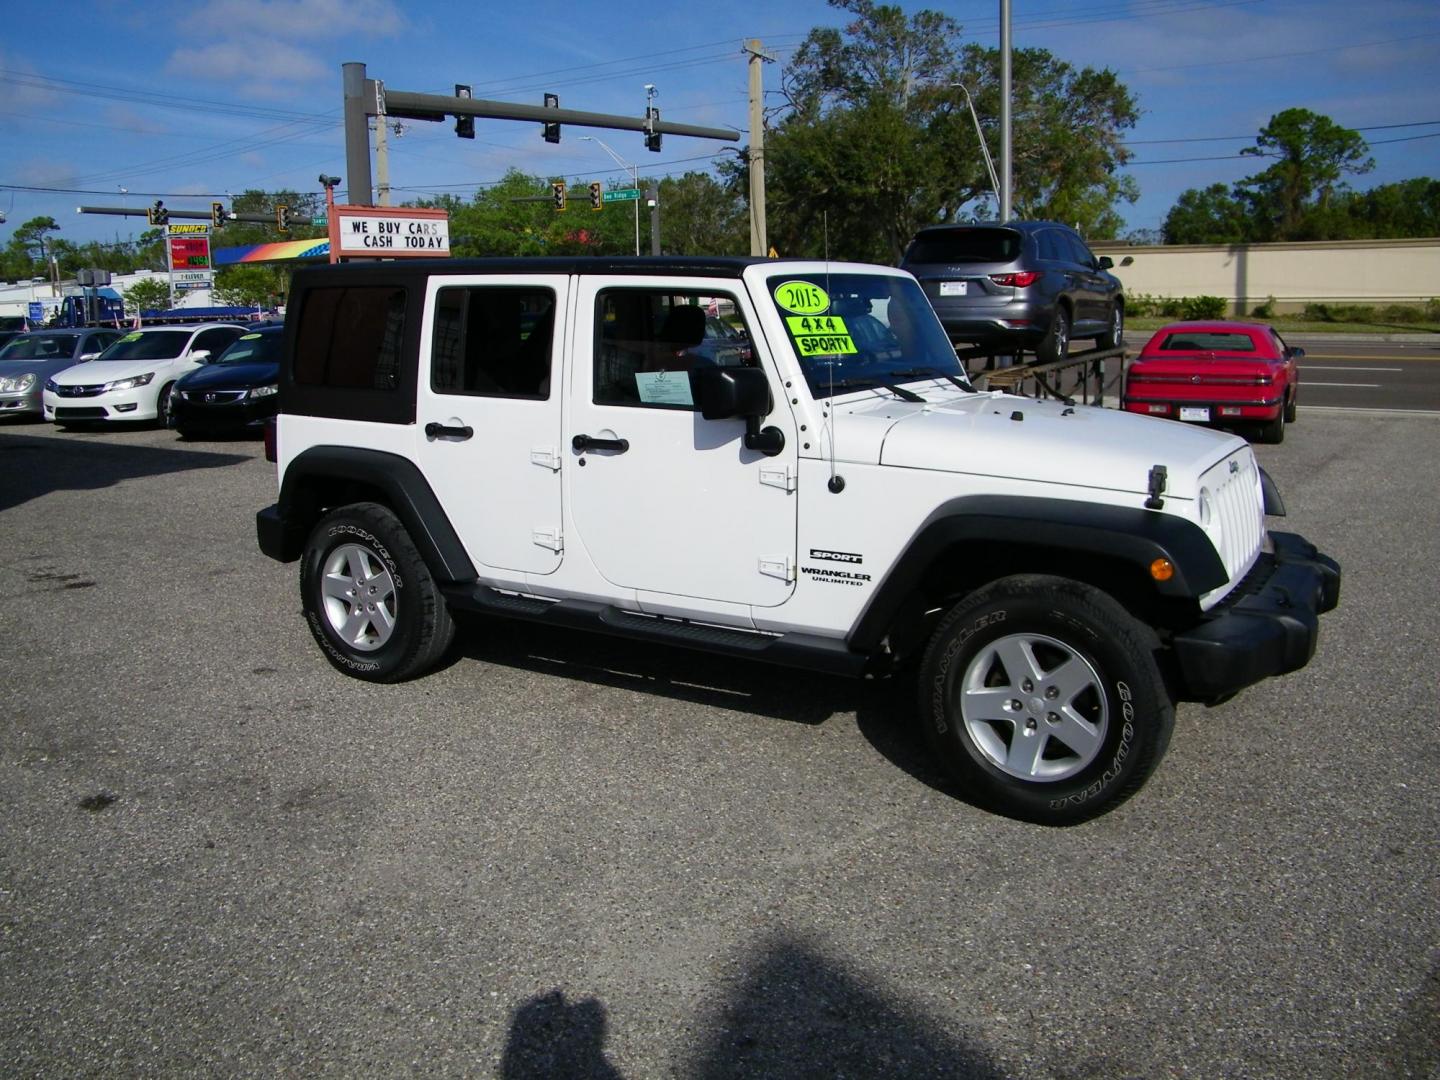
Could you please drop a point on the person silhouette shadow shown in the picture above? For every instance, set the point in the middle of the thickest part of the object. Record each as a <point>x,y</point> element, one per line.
<point>552,1037</point>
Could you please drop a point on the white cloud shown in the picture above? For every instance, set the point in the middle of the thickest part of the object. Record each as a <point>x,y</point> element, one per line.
<point>263,62</point>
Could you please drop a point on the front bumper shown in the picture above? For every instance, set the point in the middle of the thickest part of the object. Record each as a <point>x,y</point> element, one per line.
<point>23,401</point>
<point>193,412</point>
<point>1220,410</point>
<point>1268,626</point>
<point>133,404</point>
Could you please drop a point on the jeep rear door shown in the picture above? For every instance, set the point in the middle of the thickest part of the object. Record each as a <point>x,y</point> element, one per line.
<point>488,416</point>
<point>663,500</point>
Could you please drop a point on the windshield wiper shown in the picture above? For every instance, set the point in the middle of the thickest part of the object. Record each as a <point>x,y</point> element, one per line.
<point>871,384</point>
<point>920,373</point>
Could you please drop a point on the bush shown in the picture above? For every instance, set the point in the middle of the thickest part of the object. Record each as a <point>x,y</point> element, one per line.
<point>1202,307</point>
<point>1265,310</point>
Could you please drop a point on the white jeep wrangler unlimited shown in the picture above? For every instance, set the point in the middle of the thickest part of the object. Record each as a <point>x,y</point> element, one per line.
<point>582,442</point>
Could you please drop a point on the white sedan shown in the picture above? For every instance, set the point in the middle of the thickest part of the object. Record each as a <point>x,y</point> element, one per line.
<point>131,380</point>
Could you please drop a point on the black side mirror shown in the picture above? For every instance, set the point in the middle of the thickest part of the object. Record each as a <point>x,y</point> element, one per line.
<point>1297,354</point>
<point>1105,262</point>
<point>731,393</point>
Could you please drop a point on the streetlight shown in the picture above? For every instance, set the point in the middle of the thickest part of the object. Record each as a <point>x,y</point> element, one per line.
<point>984,148</point>
<point>634,171</point>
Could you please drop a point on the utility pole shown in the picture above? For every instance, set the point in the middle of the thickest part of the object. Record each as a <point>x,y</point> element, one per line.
<point>382,161</point>
<point>758,243</point>
<point>1006,176</point>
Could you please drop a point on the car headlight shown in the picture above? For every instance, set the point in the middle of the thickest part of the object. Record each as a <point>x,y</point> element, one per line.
<point>18,383</point>
<point>264,391</point>
<point>52,386</point>
<point>130,383</point>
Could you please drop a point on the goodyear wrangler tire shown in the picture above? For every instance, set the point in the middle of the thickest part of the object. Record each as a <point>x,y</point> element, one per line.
<point>369,598</point>
<point>1042,696</point>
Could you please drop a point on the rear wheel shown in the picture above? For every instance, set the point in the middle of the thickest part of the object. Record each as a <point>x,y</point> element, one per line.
<point>1273,431</point>
<point>1115,336</point>
<point>1042,696</point>
<point>1057,342</point>
<point>369,598</point>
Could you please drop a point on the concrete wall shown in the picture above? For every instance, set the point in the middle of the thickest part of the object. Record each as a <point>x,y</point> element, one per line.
<point>1339,271</point>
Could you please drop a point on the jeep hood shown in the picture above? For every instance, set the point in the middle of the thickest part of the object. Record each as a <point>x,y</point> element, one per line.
<point>1048,442</point>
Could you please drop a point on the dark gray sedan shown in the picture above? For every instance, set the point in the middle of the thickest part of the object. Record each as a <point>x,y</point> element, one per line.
<point>28,360</point>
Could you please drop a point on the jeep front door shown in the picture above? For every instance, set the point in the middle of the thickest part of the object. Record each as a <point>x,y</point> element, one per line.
<point>663,500</point>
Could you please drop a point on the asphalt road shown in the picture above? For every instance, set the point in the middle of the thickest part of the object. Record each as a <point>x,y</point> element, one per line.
<point>1351,374</point>
<point>562,855</point>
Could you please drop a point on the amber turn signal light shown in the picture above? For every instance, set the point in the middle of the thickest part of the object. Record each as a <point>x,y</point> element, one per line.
<point>1162,570</point>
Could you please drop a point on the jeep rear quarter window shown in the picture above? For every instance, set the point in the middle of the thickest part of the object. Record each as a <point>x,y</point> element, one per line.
<point>354,352</point>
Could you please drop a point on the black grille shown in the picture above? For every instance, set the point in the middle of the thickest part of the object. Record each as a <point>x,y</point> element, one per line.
<point>79,391</point>
<point>73,413</point>
<point>214,397</point>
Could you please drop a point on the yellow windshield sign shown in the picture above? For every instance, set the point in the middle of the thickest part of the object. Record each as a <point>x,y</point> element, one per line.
<point>820,335</point>
<point>801,297</point>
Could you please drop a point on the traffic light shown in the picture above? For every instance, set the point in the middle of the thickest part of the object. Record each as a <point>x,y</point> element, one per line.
<point>652,137</point>
<point>551,132</point>
<point>464,125</point>
<point>282,217</point>
<point>597,196</point>
<point>557,194</point>
<point>157,214</point>
<point>217,215</point>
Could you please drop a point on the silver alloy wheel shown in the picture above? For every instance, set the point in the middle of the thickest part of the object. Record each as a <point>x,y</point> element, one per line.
<point>1062,335</point>
<point>1034,707</point>
<point>359,596</point>
<point>1117,328</point>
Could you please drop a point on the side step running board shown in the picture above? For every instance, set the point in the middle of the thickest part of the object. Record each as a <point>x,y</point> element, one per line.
<point>790,650</point>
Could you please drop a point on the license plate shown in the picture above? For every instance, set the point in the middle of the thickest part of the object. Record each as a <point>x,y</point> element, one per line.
<point>1191,413</point>
<point>954,288</point>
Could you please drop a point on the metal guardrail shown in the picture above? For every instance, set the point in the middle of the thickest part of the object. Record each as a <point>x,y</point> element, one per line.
<point>1084,371</point>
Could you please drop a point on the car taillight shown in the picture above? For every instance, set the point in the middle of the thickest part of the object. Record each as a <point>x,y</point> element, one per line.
<point>1020,280</point>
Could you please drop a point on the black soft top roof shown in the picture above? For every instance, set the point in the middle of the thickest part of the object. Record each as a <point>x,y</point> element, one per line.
<point>669,265</point>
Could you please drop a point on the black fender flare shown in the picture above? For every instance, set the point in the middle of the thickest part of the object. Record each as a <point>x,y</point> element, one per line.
<point>406,492</point>
<point>1134,536</point>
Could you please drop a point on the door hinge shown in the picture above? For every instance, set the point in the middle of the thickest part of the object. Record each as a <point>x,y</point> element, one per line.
<point>547,456</point>
<point>778,476</point>
<point>778,566</point>
<point>553,539</point>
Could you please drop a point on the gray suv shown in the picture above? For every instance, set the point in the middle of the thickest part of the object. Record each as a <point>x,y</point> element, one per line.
<point>1023,285</point>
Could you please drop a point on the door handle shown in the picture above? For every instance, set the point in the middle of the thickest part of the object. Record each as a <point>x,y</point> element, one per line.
<point>440,431</point>
<point>589,442</point>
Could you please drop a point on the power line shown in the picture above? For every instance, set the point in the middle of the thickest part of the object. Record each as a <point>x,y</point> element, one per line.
<point>1241,138</point>
<point>1279,56</point>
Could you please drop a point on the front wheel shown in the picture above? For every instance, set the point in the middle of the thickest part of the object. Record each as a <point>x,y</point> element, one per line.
<point>1041,695</point>
<point>165,406</point>
<point>369,598</point>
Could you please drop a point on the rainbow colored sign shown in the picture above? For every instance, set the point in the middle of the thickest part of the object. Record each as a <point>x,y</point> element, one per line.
<point>284,251</point>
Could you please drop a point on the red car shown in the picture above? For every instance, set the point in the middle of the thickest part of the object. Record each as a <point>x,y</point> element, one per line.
<point>1220,373</point>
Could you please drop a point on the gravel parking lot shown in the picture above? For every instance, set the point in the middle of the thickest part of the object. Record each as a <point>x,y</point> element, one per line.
<point>568,856</point>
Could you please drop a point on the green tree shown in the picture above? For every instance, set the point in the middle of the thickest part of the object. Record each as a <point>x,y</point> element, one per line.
<point>1313,154</point>
<point>251,285</point>
<point>147,294</point>
<point>699,215</point>
<point>1211,215</point>
<point>31,236</point>
<point>875,140</point>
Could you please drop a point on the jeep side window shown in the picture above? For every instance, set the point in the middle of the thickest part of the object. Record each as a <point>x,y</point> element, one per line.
<point>647,340</point>
<point>351,337</point>
<point>493,341</point>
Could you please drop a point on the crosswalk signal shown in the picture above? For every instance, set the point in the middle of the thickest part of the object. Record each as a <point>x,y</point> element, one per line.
<point>282,217</point>
<point>597,196</point>
<point>157,214</point>
<point>557,194</point>
<point>652,137</point>
<point>551,132</point>
<point>217,215</point>
<point>464,125</point>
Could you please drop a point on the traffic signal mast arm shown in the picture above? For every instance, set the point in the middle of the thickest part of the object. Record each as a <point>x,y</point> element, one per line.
<point>148,212</point>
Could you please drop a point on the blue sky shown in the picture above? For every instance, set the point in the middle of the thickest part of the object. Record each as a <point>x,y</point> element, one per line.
<point>212,96</point>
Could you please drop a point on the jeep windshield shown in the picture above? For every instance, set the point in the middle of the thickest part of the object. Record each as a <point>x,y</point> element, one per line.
<point>862,331</point>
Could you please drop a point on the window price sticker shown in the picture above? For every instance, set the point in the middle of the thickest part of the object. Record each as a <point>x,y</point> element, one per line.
<point>820,335</point>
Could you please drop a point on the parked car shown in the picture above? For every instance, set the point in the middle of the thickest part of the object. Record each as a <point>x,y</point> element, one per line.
<point>1225,374</point>
<point>29,359</point>
<point>131,380</point>
<point>238,390</point>
<point>1023,285</point>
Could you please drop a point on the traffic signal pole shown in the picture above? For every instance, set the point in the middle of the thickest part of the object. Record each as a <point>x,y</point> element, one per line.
<point>366,97</point>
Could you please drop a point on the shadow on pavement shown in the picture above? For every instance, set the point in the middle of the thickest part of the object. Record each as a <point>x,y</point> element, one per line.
<point>31,467</point>
<point>792,1014</point>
